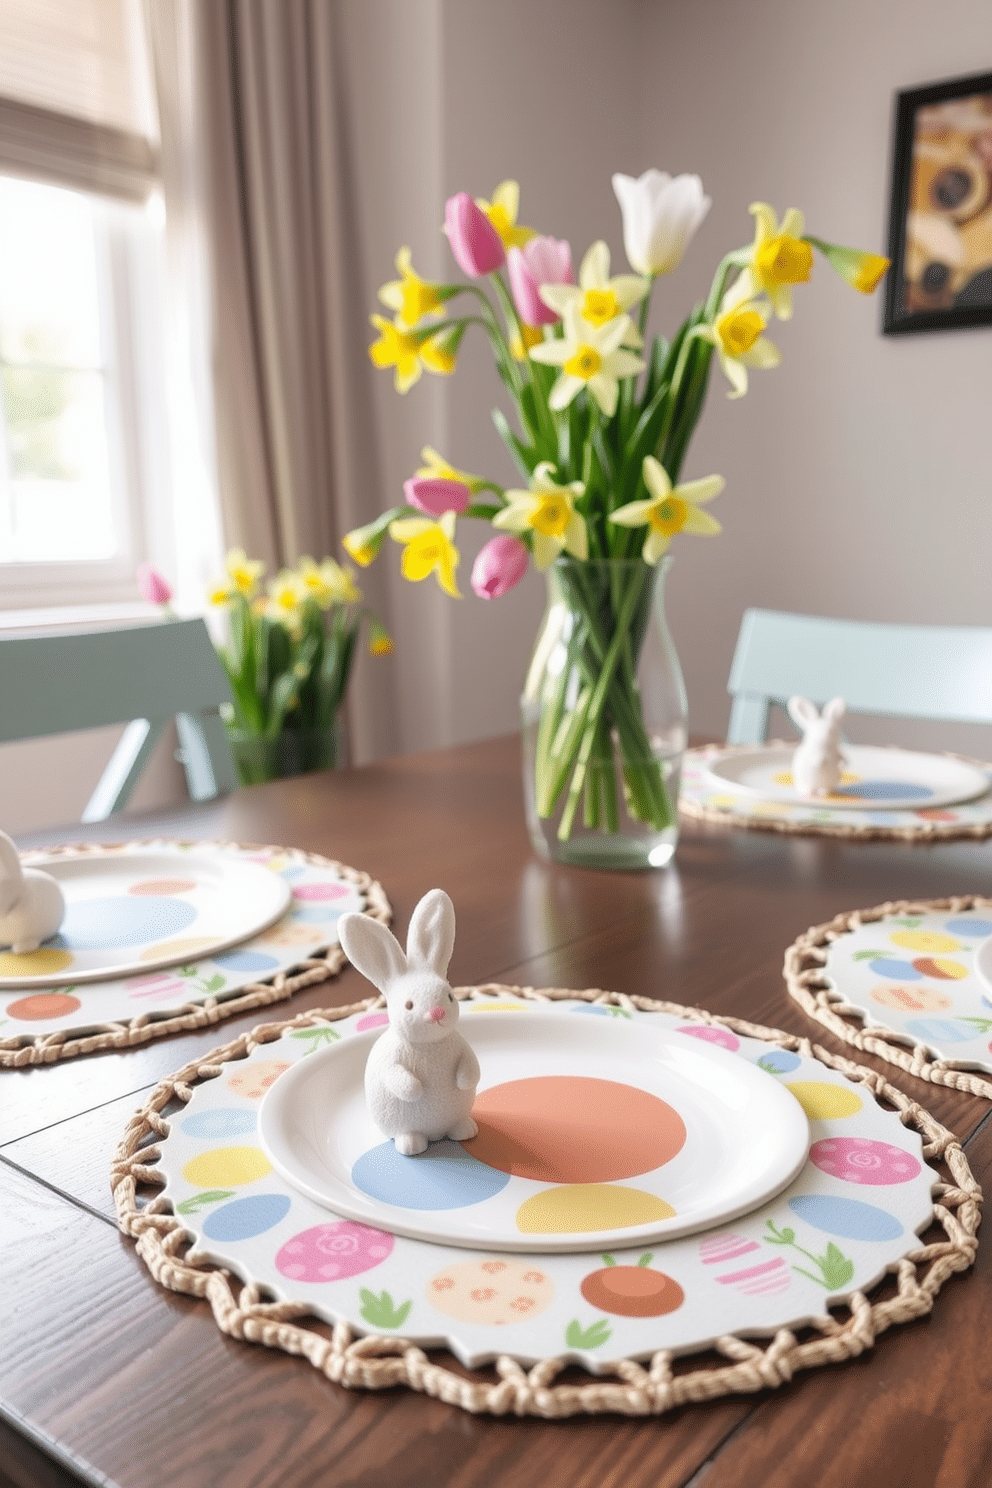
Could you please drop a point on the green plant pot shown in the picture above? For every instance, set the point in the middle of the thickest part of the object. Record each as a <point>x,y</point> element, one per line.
<point>293,752</point>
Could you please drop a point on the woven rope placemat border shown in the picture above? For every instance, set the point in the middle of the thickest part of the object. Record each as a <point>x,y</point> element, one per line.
<point>373,1362</point>
<point>867,832</point>
<point>142,1029</point>
<point>809,986</point>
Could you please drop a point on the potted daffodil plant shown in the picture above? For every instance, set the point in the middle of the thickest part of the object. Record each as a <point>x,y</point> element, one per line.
<point>603,424</point>
<point>288,656</point>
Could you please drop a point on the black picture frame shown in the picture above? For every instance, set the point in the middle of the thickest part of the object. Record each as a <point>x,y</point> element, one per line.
<point>941,208</point>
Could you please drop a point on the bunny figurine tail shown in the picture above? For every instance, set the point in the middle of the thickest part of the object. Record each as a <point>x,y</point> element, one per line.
<point>421,1074</point>
<point>32,906</point>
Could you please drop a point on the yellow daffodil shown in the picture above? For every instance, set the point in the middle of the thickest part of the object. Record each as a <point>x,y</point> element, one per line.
<point>363,543</point>
<point>779,258</point>
<point>428,547</point>
<point>520,345</point>
<point>437,466</point>
<point>440,353</point>
<point>589,356</point>
<point>243,574</point>
<point>502,213</point>
<point>327,583</point>
<point>549,512</point>
<point>669,510</point>
<point>410,296</point>
<point>396,348</point>
<point>738,335</point>
<point>380,641</point>
<point>599,298</point>
<point>863,271</point>
<point>286,592</point>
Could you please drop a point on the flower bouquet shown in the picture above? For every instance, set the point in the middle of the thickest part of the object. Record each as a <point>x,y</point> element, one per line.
<point>603,425</point>
<point>288,657</point>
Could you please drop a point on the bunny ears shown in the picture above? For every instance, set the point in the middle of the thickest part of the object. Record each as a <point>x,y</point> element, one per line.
<point>377,954</point>
<point>804,713</point>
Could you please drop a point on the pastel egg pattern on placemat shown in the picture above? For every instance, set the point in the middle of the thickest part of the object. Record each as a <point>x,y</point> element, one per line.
<point>154,909</point>
<point>913,976</point>
<point>856,1207</point>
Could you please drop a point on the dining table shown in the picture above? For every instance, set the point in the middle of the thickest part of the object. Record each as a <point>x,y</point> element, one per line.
<point>108,1378</point>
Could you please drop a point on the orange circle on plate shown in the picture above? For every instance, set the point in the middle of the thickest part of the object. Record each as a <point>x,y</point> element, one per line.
<point>164,886</point>
<point>43,1005</point>
<point>573,1129</point>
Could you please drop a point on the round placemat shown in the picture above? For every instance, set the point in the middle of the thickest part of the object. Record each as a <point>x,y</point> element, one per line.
<point>300,949</point>
<point>899,981</point>
<point>886,1200</point>
<point>702,800</point>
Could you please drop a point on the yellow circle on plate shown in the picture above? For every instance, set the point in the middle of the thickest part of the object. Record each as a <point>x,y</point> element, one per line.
<point>42,962</point>
<point>494,1007</point>
<point>578,1207</point>
<point>193,945</point>
<point>227,1165</point>
<point>924,940</point>
<point>824,1101</point>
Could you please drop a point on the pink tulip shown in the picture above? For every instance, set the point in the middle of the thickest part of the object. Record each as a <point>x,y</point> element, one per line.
<point>541,261</point>
<point>436,494</point>
<point>477,246</point>
<point>151,585</point>
<point>501,565</point>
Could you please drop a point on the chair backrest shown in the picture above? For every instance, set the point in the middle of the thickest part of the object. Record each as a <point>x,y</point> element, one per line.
<point>144,676</point>
<point>905,671</point>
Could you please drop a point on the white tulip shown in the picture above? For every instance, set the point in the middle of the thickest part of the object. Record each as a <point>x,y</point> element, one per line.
<point>660,215</point>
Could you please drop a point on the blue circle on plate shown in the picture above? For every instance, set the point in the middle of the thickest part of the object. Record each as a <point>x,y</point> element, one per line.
<point>851,1219</point>
<point>115,922</point>
<point>245,1218</point>
<point>225,1121</point>
<point>443,1177</point>
<point>245,961</point>
<point>941,1030</point>
<point>968,926</point>
<point>315,914</point>
<point>899,971</point>
<point>589,1007</point>
<point>778,1061</point>
<point>885,790</point>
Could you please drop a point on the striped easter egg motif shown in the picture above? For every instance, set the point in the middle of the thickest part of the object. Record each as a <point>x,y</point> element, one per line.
<point>762,1280</point>
<point>715,1249</point>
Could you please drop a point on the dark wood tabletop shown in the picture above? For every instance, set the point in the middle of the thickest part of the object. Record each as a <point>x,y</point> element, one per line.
<point>107,1378</point>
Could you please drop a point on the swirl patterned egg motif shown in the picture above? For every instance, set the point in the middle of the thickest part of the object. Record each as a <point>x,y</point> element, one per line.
<point>333,1252</point>
<point>862,1160</point>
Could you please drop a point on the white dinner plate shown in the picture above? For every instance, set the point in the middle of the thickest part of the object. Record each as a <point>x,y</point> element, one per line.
<point>983,966</point>
<point>130,912</point>
<point>874,779</point>
<point>595,1134</point>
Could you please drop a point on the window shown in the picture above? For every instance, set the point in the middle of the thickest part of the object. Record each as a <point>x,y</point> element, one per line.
<point>71,477</point>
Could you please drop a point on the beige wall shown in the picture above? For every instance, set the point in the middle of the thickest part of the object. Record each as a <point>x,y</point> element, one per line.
<point>858,473</point>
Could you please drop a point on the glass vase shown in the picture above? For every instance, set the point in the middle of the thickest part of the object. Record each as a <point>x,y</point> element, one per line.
<point>604,718</point>
<point>293,752</point>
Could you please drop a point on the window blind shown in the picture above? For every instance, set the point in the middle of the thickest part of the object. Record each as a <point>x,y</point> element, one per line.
<point>76,100</point>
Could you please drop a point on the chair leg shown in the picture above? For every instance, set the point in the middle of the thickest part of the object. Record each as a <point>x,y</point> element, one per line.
<point>205,755</point>
<point>121,775</point>
<point>748,720</point>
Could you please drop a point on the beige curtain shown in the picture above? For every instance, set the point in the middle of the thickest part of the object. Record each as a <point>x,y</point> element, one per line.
<point>289,371</point>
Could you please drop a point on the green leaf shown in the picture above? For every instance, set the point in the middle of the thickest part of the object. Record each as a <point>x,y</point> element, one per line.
<point>316,1036</point>
<point>592,1337</point>
<point>381,1311</point>
<point>215,983</point>
<point>526,456</point>
<point>982,1024</point>
<point>647,1258</point>
<point>608,1260</point>
<point>198,1201</point>
<point>867,955</point>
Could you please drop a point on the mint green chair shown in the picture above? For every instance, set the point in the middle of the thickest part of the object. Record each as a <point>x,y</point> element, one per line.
<point>900,671</point>
<point>55,684</point>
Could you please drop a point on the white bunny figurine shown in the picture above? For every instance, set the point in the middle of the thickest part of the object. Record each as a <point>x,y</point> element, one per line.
<point>421,1075</point>
<point>31,903</point>
<point>816,764</point>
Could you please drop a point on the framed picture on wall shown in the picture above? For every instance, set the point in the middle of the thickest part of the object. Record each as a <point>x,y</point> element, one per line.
<point>940,224</point>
